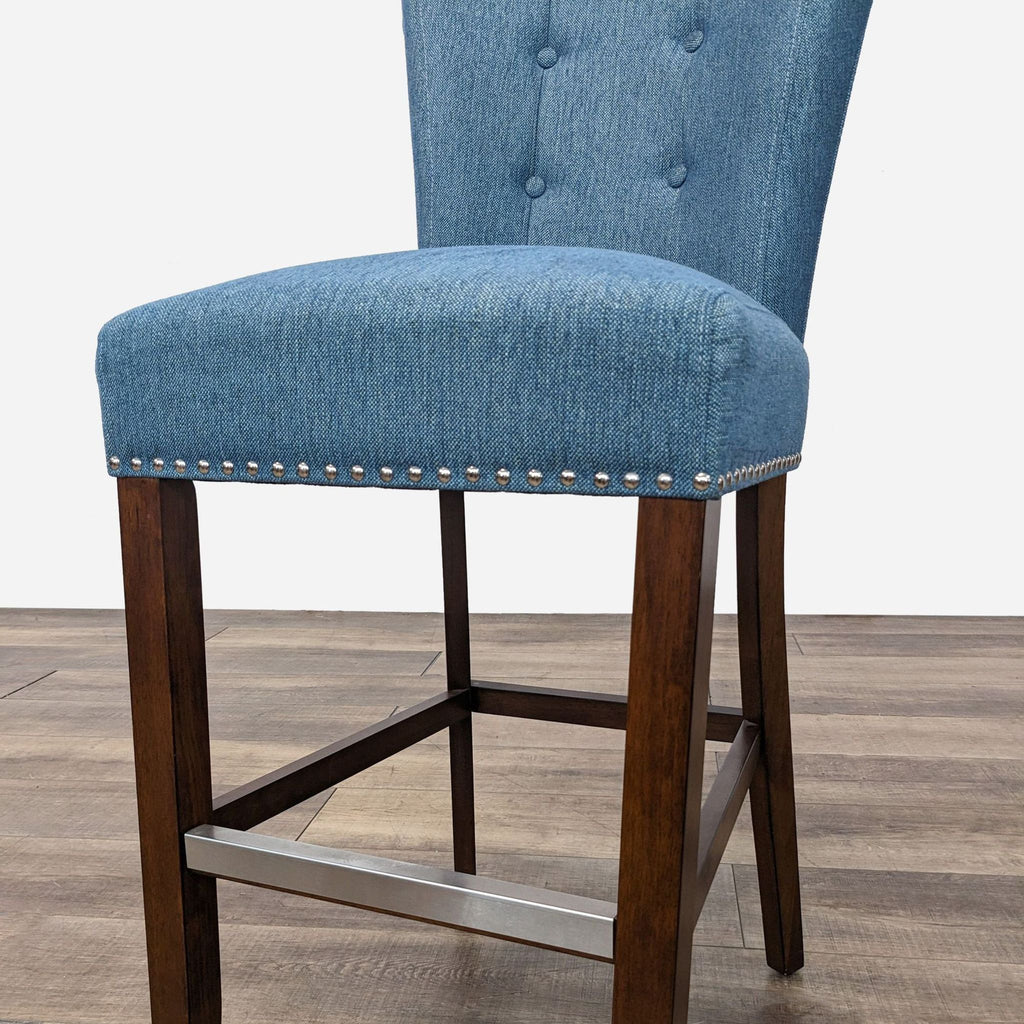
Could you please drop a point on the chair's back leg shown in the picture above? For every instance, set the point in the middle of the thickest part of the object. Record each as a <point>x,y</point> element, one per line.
<point>760,528</point>
<point>669,668</point>
<point>456,640</point>
<point>167,668</point>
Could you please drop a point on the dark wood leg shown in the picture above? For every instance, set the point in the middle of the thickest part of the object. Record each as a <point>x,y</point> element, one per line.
<point>666,723</point>
<point>760,528</point>
<point>167,666</point>
<point>456,639</point>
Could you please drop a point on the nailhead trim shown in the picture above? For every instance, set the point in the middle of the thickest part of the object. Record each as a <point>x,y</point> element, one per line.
<point>758,471</point>
<point>631,481</point>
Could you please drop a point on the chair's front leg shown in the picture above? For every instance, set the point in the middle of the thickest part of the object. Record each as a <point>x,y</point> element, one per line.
<point>669,669</point>
<point>760,529</point>
<point>167,666</point>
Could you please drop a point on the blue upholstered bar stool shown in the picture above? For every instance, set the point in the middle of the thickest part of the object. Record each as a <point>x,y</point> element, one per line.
<point>619,206</point>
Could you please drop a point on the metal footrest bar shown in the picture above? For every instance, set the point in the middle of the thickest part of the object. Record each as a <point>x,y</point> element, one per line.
<point>537,917</point>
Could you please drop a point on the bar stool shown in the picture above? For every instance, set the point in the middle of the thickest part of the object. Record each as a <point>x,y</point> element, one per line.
<point>619,208</point>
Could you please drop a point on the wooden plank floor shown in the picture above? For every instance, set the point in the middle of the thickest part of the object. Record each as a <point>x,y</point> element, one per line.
<point>909,738</point>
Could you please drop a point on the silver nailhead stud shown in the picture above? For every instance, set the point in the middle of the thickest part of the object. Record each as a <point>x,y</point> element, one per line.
<point>534,477</point>
<point>702,481</point>
<point>665,482</point>
<point>444,474</point>
<point>252,468</point>
<point>179,466</point>
<point>387,474</point>
<point>601,480</point>
<point>277,469</point>
<point>503,476</point>
<point>330,471</point>
<point>204,466</point>
<point>472,474</point>
<point>631,481</point>
<point>567,478</point>
<point>356,472</point>
<point>721,483</point>
<point>114,462</point>
<point>303,470</point>
<point>136,464</point>
<point>415,474</point>
<point>728,479</point>
<point>227,468</point>
<point>158,464</point>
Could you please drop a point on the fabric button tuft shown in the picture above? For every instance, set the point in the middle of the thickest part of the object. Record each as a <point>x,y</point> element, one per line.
<point>693,40</point>
<point>547,58</point>
<point>677,176</point>
<point>535,186</point>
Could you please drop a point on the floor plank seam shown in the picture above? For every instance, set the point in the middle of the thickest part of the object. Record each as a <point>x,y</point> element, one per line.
<point>430,664</point>
<point>739,912</point>
<point>316,813</point>
<point>11,693</point>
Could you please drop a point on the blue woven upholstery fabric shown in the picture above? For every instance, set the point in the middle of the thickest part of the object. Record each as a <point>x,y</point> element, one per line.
<point>523,358</point>
<point>580,165</point>
<point>703,133</point>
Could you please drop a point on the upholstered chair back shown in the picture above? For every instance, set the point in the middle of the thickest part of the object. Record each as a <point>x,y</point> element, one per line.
<point>699,131</point>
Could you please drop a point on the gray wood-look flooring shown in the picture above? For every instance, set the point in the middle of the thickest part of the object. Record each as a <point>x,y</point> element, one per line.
<point>909,740</point>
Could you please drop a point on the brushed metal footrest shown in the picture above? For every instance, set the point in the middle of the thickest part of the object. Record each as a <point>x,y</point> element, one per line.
<point>522,913</point>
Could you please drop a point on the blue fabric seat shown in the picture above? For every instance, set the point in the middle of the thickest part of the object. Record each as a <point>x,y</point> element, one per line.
<point>524,368</point>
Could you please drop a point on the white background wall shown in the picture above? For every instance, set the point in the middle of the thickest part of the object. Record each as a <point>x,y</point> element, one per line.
<point>153,148</point>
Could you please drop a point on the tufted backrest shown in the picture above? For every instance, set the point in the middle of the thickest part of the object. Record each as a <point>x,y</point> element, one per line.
<point>700,131</point>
